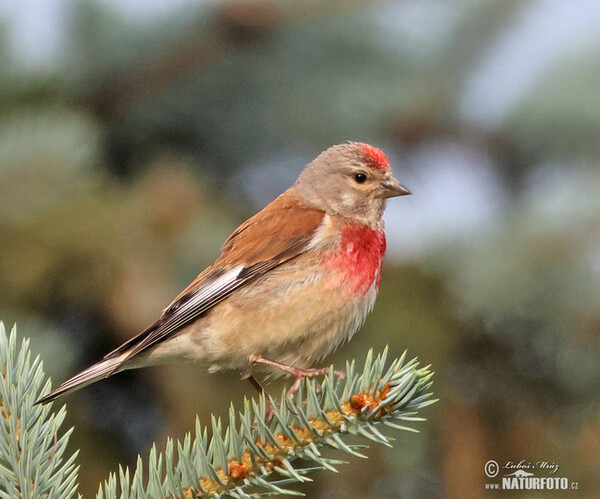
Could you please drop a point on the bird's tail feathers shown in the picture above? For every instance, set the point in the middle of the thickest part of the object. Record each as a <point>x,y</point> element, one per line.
<point>98,371</point>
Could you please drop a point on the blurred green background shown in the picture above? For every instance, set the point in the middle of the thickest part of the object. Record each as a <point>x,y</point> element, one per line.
<point>135,136</point>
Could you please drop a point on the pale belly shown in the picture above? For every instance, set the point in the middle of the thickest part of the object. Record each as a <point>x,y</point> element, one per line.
<point>292,321</point>
<point>298,314</point>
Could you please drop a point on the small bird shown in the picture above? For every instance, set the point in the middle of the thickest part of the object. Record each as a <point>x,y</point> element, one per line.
<point>292,283</point>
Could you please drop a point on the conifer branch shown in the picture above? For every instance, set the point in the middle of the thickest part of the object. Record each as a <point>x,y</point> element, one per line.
<point>32,462</point>
<point>250,457</point>
<point>253,458</point>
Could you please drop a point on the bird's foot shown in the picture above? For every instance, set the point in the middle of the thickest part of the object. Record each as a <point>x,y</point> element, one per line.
<point>300,374</point>
<point>296,372</point>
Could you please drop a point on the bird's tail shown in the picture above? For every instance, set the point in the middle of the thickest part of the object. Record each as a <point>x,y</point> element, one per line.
<point>98,371</point>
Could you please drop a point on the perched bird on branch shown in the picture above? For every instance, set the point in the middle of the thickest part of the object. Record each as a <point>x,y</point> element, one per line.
<point>292,283</point>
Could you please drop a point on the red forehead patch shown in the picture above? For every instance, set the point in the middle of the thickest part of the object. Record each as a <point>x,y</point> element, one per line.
<point>375,157</point>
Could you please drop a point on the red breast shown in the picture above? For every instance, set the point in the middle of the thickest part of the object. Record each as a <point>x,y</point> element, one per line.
<point>358,257</point>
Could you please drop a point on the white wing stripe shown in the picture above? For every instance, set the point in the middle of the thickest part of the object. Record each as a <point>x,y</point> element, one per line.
<point>202,299</point>
<point>213,288</point>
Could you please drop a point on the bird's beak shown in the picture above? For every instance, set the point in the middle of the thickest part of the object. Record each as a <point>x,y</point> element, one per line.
<point>392,188</point>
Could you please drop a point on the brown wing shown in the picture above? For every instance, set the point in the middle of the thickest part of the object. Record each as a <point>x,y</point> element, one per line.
<point>278,231</point>
<point>277,234</point>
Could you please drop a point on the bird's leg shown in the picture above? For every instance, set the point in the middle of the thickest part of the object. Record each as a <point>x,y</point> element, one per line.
<point>254,382</point>
<point>296,372</point>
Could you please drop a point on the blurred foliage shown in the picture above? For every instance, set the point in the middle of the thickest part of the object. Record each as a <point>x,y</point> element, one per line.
<point>560,117</point>
<point>128,160</point>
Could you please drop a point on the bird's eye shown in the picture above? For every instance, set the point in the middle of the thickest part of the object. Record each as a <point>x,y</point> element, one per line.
<point>360,178</point>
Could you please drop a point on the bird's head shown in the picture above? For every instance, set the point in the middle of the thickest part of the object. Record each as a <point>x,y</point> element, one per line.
<point>352,180</point>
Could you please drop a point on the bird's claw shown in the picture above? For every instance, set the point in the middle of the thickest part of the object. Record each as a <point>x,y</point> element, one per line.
<point>301,374</point>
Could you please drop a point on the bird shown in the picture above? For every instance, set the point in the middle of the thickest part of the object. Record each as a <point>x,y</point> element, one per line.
<point>292,283</point>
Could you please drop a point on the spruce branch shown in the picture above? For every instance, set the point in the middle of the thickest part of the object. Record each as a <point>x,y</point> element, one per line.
<point>249,457</point>
<point>32,454</point>
<point>253,458</point>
